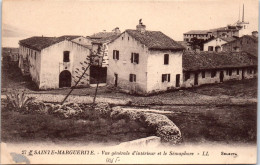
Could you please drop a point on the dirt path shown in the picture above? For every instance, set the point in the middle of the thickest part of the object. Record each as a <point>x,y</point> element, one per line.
<point>190,99</point>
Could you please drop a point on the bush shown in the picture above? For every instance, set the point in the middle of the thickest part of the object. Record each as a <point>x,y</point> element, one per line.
<point>68,110</point>
<point>18,101</point>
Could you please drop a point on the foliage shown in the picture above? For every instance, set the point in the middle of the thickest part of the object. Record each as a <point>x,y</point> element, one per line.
<point>18,100</point>
<point>197,43</point>
<point>65,111</point>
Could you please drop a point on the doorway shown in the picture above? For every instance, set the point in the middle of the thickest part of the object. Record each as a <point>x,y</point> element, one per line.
<point>196,79</point>
<point>178,80</point>
<point>65,79</point>
<point>243,74</point>
<point>116,79</point>
<point>221,76</point>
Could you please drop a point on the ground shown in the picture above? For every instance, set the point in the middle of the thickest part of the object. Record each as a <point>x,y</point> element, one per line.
<point>223,112</point>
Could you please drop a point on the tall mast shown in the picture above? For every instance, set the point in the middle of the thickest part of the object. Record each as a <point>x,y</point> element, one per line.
<point>243,14</point>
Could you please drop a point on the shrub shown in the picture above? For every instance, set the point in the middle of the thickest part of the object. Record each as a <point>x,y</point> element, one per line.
<point>18,101</point>
<point>68,110</point>
<point>37,107</point>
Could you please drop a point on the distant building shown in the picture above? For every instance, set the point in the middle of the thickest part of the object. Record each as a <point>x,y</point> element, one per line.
<point>229,31</point>
<point>142,61</point>
<point>10,54</point>
<point>52,62</point>
<point>248,43</point>
<point>215,44</point>
<point>212,67</point>
<point>238,29</point>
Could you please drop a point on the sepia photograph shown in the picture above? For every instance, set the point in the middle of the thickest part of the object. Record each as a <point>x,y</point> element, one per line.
<point>129,82</point>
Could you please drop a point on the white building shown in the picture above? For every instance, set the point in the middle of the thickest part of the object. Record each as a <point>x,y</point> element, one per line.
<point>212,67</point>
<point>54,62</point>
<point>142,61</point>
<point>215,44</point>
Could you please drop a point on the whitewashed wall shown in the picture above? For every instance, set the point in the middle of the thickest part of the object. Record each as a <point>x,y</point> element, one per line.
<point>52,63</point>
<point>123,67</point>
<point>211,80</point>
<point>215,42</point>
<point>156,67</point>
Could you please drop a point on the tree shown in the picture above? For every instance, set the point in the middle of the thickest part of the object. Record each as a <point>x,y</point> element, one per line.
<point>195,43</point>
<point>95,58</point>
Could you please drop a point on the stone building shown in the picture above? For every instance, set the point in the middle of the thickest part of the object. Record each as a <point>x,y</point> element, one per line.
<point>142,61</point>
<point>212,67</point>
<point>53,62</point>
<point>247,43</point>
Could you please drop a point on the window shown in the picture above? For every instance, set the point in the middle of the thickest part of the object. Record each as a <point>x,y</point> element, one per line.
<point>166,59</point>
<point>213,73</point>
<point>249,71</point>
<point>135,58</point>
<point>187,76</point>
<point>166,77</point>
<point>230,72</point>
<point>122,38</point>
<point>210,48</point>
<point>66,56</point>
<point>237,71</point>
<point>203,74</point>
<point>116,54</point>
<point>128,38</point>
<point>132,78</point>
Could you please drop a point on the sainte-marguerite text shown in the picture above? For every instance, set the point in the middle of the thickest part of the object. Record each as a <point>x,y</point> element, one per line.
<point>61,152</point>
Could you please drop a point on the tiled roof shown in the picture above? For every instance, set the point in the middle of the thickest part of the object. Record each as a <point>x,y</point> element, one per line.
<point>39,43</point>
<point>248,36</point>
<point>183,43</point>
<point>103,37</point>
<point>228,39</point>
<point>197,32</point>
<point>210,30</point>
<point>155,40</point>
<point>193,61</point>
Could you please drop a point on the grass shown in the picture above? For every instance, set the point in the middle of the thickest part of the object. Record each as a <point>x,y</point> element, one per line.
<point>242,88</point>
<point>226,124</point>
<point>18,127</point>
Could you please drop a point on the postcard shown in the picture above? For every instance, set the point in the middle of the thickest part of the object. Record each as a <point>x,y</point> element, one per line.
<point>129,82</point>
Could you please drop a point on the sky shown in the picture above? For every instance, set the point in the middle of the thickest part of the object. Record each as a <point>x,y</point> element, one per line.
<point>25,18</point>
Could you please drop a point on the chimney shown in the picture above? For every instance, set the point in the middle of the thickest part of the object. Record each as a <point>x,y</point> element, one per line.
<point>255,33</point>
<point>116,30</point>
<point>140,27</point>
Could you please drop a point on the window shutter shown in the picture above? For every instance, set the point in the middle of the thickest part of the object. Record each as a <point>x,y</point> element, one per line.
<point>117,55</point>
<point>113,54</point>
<point>132,57</point>
<point>134,78</point>
<point>130,78</point>
<point>169,77</point>
<point>137,58</point>
<point>162,78</point>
